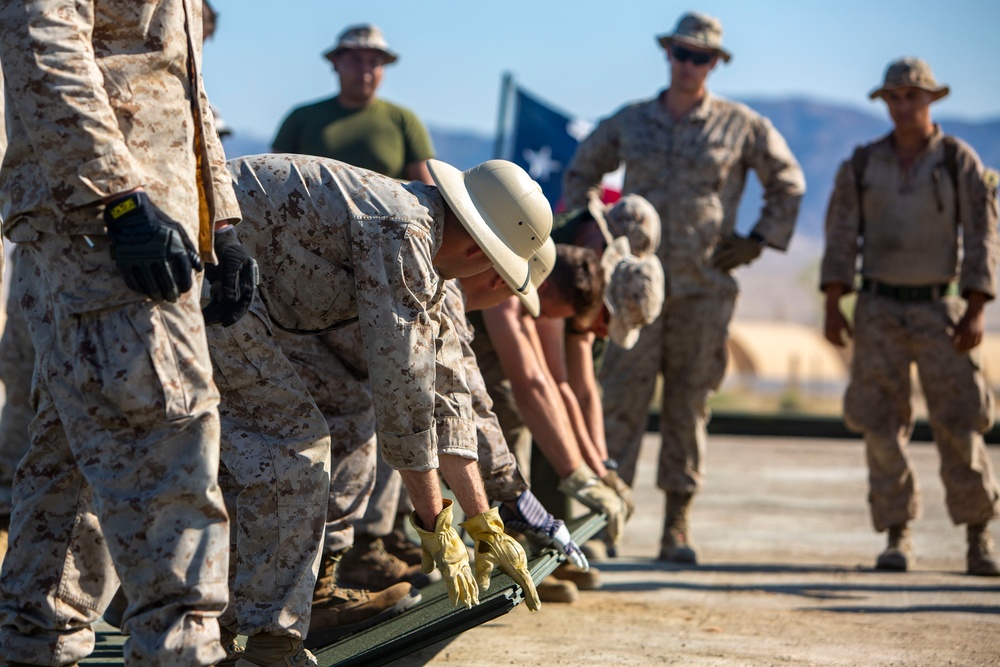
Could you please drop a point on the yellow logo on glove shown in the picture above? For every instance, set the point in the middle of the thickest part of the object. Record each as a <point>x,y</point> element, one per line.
<point>121,209</point>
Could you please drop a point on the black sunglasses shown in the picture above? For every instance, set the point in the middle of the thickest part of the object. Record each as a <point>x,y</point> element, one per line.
<point>682,55</point>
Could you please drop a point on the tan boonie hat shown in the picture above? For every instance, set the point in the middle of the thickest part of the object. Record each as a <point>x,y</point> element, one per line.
<point>910,73</point>
<point>635,218</point>
<point>364,36</point>
<point>503,209</point>
<point>698,30</point>
<point>633,292</point>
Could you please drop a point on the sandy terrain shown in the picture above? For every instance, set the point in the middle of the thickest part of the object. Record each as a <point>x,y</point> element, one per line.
<point>786,579</point>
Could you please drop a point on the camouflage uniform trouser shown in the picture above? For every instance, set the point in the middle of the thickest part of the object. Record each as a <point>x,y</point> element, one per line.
<point>687,344</point>
<point>17,359</point>
<point>503,468</point>
<point>889,337</point>
<point>332,368</point>
<point>121,473</point>
<point>276,452</point>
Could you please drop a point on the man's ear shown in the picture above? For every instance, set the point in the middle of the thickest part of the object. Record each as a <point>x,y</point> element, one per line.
<point>497,282</point>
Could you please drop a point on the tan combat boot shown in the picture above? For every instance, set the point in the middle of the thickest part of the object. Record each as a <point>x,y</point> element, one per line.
<point>398,544</point>
<point>585,581</point>
<point>674,546</point>
<point>347,610</point>
<point>338,612</point>
<point>267,650</point>
<point>368,565</point>
<point>551,589</point>
<point>898,554</point>
<point>980,560</point>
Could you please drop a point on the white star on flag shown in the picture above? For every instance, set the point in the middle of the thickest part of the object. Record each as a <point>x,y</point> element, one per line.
<point>540,163</point>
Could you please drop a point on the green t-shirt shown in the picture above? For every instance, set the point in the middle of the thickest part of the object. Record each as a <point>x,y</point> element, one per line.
<point>382,137</point>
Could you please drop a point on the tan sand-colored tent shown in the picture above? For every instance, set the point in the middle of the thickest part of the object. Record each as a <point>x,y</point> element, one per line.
<point>783,353</point>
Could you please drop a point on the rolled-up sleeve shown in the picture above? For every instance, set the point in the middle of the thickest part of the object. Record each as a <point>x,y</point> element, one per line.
<point>453,401</point>
<point>399,308</point>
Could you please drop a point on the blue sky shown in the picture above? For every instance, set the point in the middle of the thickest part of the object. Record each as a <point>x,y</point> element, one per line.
<point>588,57</point>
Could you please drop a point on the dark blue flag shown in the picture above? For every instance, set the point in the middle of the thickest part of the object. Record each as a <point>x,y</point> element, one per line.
<point>542,144</point>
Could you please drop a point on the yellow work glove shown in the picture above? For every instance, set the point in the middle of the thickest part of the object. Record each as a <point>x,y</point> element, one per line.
<point>446,550</point>
<point>584,485</point>
<point>496,548</point>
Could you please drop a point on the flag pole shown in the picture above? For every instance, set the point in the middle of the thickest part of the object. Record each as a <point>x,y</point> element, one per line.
<point>505,86</point>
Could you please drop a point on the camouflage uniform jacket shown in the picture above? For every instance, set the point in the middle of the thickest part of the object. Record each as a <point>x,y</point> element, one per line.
<point>910,232</point>
<point>693,172</point>
<point>98,107</point>
<point>338,244</point>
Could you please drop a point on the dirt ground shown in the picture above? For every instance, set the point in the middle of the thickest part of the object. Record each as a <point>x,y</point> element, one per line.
<point>786,578</point>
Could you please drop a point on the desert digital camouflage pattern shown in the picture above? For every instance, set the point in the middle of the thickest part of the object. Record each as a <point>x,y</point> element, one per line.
<point>889,335</point>
<point>511,423</point>
<point>911,238</point>
<point>127,442</point>
<point>693,172</point>
<point>334,369</point>
<point>501,476</point>
<point>276,476</point>
<point>337,244</point>
<point>102,98</point>
<point>689,339</point>
<point>87,122</point>
<point>17,360</point>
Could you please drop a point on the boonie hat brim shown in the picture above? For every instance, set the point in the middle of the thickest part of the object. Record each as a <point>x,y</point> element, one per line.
<point>936,93</point>
<point>667,40</point>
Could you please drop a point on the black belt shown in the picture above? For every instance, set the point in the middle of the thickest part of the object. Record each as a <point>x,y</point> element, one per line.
<point>912,293</point>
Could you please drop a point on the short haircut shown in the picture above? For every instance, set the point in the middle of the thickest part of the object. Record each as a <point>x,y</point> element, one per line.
<point>578,278</point>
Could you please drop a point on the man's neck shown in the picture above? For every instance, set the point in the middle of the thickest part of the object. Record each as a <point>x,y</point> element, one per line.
<point>680,103</point>
<point>354,102</point>
<point>909,142</point>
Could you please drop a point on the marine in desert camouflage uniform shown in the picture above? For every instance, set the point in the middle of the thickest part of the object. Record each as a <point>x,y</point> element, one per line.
<point>930,250</point>
<point>338,244</point>
<point>120,479</point>
<point>688,153</point>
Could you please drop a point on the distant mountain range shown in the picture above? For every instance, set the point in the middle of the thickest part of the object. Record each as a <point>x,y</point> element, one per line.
<point>820,134</point>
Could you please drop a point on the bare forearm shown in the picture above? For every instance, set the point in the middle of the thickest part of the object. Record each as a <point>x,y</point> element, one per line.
<point>425,494</point>
<point>466,482</point>
<point>545,416</point>
<point>588,450</point>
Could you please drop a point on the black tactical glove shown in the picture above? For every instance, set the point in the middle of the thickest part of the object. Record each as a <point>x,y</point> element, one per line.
<point>152,251</point>
<point>233,280</point>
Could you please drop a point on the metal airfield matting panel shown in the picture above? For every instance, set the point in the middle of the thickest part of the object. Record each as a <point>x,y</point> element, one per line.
<point>434,619</point>
<point>430,621</point>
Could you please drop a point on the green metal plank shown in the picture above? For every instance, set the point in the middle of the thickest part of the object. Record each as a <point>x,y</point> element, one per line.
<point>434,619</point>
<point>427,623</point>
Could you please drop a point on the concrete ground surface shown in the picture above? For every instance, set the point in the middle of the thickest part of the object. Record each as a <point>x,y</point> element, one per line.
<point>786,578</point>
